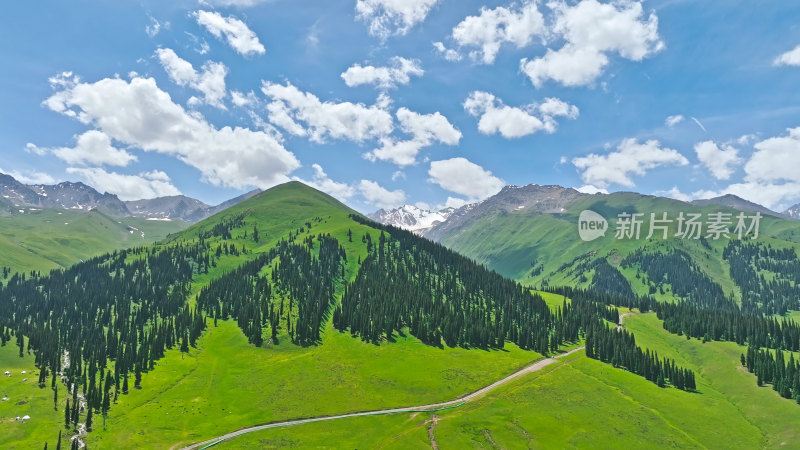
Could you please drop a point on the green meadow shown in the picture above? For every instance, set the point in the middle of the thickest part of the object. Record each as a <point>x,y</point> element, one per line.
<point>583,403</point>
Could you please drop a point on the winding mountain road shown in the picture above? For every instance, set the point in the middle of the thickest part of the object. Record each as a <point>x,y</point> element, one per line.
<point>535,367</point>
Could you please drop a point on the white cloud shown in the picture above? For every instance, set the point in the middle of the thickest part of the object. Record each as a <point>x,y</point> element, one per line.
<point>91,148</point>
<point>453,202</point>
<point>392,17</point>
<point>239,36</point>
<point>790,58</point>
<point>776,159</point>
<point>321,181</point>
<point>303,114</point>
<point>721,162</point>
<point>464,177</point>
<point>771,175</point>
<point>155,26</point>
<point>675,193</point>
<point>30,176</point>
<point>494,27</point>
<point>592,30</point>
<point>671,121</point>
<point>211,81</point>
<point>237,3</point>
<point>631,158</point>
<point>241,99</point>
<point>398,174</point>
<point>512,122</point>
<point>139,114</point>
<point>400,72</point>
<point>774,196</point>
<point>201,46</point>
<point>589,189</point>
<point>379,196</point>
<point>447,53</point>
<point>128,187</point>
<point>699,124</point>
<point>425,130</point>
<point>746,139</point>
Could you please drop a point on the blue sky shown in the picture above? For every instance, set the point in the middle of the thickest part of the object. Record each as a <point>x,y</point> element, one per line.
<point>385,102</point>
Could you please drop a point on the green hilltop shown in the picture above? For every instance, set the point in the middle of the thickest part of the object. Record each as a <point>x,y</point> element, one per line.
<point>292,305</point>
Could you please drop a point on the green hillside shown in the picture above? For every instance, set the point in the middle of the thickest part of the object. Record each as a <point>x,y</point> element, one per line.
<point>49,239</point>
<point>222,381</point>
<point>545,248</point>
<point>290,306</point>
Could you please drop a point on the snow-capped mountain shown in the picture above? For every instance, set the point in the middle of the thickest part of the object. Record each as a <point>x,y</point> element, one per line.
<point>412,218</point>
<point>793,212</point>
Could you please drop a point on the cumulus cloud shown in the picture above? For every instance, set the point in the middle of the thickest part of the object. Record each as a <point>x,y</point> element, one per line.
<point>494,27</point>
<point>591,31</point>
<point>776,159</point>
<point>30,176</point>
<point>91,148</point>
<point>127,187</point>
<point>448,54</point>
<point>513,122</point>
<point>210,81</point>
<point>303,114</point>
<point>377,195</point>
<point>461,176</point>
<point>241,99</point>
<point>425,130</point>
<point>453,202</point>
<point>790,58</point>
<point>399,72</point>
<point>589,189</point>
<point>675,193</point>
<point>721,162</point>
<point>238,35</point>
<point>139,114</point>
<point>671,121</point>
<point>630,158</point>
<point>392,17</point>
<point>321,181</point>
<point>771,175</point>
<point>772,195</point>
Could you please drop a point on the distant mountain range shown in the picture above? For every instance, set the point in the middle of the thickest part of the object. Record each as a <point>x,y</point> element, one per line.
<point>80,197</point>
<point>541,199</point>
<point>412,218</point>
<point>739,203</point>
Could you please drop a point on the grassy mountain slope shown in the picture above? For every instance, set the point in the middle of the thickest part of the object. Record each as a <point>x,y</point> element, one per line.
<point>580,403</point>
<point>536,247</point>
<point>226,383</point>
<point>48,239</point>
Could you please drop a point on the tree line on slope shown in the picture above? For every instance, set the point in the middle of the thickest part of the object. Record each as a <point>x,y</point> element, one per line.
<point>706,313</point>
<point>97,324</point>
<point>296,290</point>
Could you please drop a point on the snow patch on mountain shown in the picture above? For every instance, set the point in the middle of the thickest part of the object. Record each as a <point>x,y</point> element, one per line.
<point>412,218</point>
